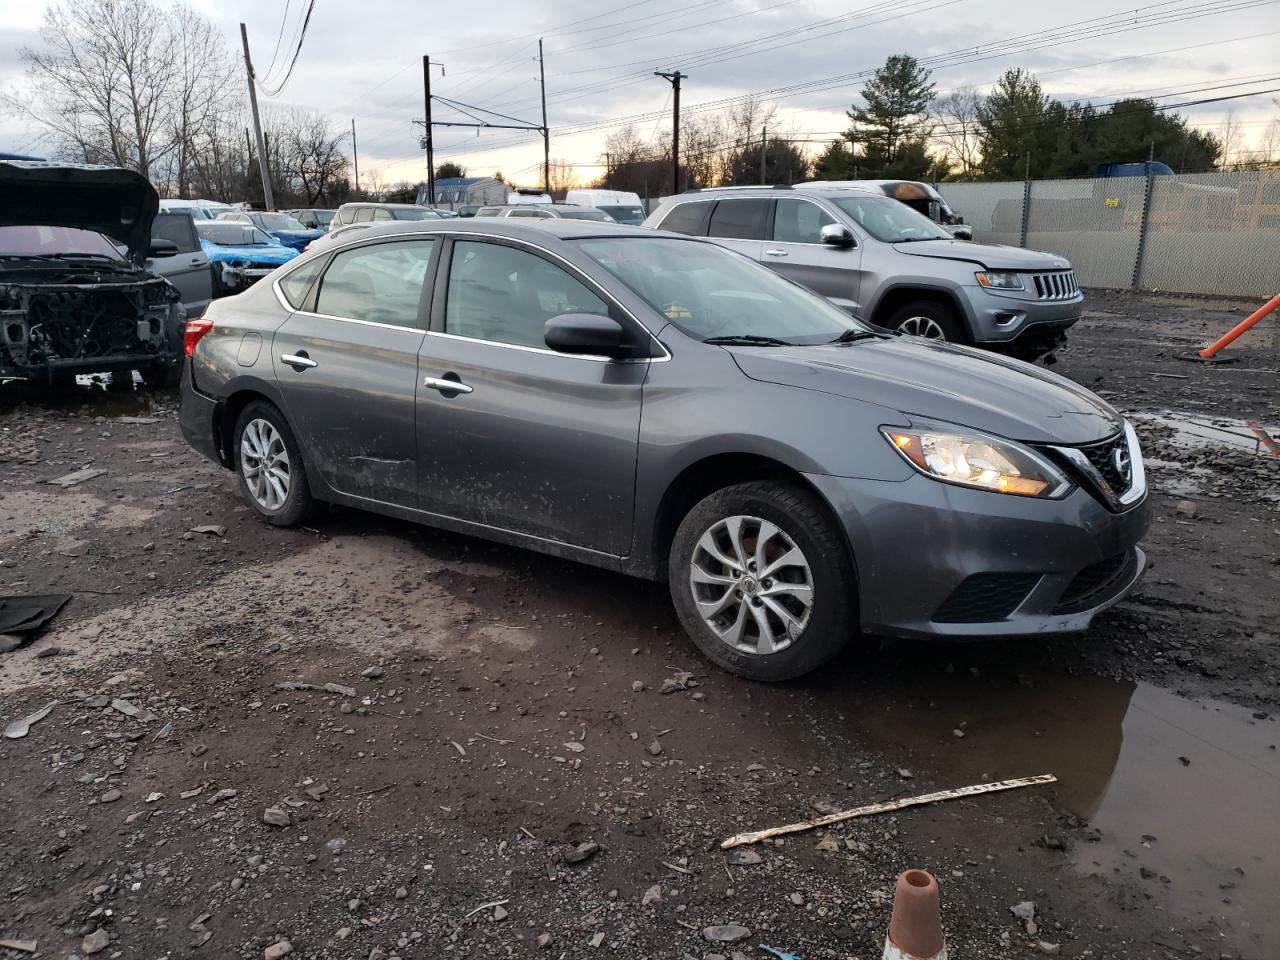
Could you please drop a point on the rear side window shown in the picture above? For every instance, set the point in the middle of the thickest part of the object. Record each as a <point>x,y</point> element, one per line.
<point>345,215</point>
<point>799,221</point>
<point>380,214</point>
<point>739,219</point>
<point>295,284</point>
<point>507,295</point>
<point>179,228</point>
<point>688,218</point>
<point>364,214</point>
<point>380,283</point>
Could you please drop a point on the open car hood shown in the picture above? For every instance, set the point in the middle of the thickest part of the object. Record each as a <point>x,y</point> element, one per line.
<point>118,203</point>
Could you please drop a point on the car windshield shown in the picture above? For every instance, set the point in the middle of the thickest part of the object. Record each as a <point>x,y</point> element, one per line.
<point>228,233</point>
<point>38,241</point>
<point>890,221</point>
<point>709,292</point>
<point>414,215</point>
<point>631,215</point>
<point>585,213</point>
<point>278,221</point>
<point>323,217</point>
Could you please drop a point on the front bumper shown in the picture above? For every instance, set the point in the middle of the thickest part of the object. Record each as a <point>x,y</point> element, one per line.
<point>939,561</point>
<point>1002,318</point>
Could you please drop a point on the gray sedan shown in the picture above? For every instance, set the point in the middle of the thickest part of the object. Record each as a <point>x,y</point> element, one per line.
<point>658,405</point>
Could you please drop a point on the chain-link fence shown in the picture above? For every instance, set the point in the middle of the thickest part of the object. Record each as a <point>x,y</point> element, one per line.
<point>1214,233</point>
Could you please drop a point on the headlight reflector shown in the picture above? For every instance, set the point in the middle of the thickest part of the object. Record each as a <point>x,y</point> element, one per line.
<point>983,463</point>
<point>1000,280</point>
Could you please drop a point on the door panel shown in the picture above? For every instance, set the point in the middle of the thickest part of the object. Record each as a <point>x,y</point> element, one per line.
<point>351,399</point>
<point>740,225</point>
<point>188,269</point>
<point>797,252</point>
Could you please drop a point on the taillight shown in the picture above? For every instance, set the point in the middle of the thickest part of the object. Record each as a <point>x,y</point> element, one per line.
<point>191,334</point>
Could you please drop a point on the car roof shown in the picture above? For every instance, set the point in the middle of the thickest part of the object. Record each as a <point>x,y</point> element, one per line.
<point>386,206</point>
<point>776,191</point>
<point>532,229</point>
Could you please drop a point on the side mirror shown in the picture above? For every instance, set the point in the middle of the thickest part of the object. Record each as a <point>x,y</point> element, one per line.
<point>837,235</point>
<point>160,247</point>
<point>581,333</point>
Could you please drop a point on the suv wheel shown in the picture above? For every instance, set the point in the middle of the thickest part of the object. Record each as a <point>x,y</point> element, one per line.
<point>762,581</point>
<point>928,319</point>
<point>268,464</point>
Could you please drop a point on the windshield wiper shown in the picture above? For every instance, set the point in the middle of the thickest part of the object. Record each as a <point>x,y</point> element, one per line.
<point>748,340</point>
<point>849,336</point>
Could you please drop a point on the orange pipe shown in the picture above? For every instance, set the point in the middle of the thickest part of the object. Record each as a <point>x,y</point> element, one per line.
<point>1240,328</point>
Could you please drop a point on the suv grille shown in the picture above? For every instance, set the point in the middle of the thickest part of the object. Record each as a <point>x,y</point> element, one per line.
<point>985,597</point>
<point>1095,584</point>
<point>1056,286</point>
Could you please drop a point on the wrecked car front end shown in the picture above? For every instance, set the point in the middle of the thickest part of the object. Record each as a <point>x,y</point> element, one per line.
<point>240,254</point>
<point>74,297</point>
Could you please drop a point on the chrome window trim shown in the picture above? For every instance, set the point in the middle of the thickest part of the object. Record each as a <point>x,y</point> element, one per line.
<point>442,234</point>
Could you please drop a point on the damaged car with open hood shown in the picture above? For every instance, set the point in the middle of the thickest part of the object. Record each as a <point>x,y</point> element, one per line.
<point>75,294</point>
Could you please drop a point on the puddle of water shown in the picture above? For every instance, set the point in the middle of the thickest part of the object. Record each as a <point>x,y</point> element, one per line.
<point>1178,789</point>
<point>1195,432</point>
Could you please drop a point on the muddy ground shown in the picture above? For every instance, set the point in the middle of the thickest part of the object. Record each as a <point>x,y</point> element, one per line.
<point>507,708</point>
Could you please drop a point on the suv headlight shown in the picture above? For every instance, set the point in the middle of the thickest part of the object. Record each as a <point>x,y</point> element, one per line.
<point>984,463</point>
<point>1000,280</point>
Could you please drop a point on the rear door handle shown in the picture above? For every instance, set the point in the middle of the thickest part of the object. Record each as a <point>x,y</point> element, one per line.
<point>775,253</point>
<point>446,384</point>
<point>298,361</point>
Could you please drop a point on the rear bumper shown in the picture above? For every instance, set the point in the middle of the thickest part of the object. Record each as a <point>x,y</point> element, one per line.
<point>1037,566</point>
<point>199,418</point>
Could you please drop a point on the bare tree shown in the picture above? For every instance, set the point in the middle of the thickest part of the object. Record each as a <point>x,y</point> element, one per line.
<point>203,73</point>
<point>958,131</point>
<point>561,176</point>
<point>309,155</point>
<point>1231,137</point>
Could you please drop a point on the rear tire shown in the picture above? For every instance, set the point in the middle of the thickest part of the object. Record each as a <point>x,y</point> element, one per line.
<point>929,319</point>
<point>269,467</point>
<point>762,581</point>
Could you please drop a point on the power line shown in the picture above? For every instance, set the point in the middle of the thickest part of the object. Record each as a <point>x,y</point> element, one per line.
<point>302,36</point>
<point>279,39</point>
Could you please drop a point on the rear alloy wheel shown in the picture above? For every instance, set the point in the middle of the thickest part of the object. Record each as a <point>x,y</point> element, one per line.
<point>928,319</point>
<point>273,480</point>
<point>762,581</point>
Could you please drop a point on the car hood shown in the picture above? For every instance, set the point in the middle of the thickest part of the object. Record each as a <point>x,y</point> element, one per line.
<point>942,382</point>
<point>113,201</point>
<point>992,256</point>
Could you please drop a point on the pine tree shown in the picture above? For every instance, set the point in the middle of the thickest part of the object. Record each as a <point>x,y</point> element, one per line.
<point>893,127</point>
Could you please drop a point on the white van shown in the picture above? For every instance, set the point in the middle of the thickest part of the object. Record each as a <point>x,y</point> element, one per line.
<point>622,206</point>
<point>527,196</point>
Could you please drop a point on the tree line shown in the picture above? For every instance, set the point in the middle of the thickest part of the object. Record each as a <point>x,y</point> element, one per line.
<point>129,83</point>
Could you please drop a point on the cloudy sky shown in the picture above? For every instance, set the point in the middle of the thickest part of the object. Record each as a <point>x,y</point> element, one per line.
<point>364,61</point>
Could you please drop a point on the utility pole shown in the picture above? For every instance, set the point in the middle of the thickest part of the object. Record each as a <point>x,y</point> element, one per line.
<point>267,197</point>
<point>355,156</point>
<point>431,154</point>
<point>764,146</point>
<point>546,134</point>
<point>675,79</point>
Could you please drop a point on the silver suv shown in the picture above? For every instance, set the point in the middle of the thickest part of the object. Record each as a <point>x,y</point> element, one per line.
<point>888,264</point>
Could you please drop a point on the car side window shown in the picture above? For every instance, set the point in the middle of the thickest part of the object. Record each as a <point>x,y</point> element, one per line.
<point>179,228</point>
<point>364,214</point>
<point>799,221</point>
<point>507,295</point>
<point>346,216</point>
<point>380,214</point>
<point>739,219</point>
<point>379,282</point>
<point>688,218</point>
<point>295,284</point>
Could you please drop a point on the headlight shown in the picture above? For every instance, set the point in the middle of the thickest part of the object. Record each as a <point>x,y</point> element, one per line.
<point>1000,280</point>
<point>981,462</point>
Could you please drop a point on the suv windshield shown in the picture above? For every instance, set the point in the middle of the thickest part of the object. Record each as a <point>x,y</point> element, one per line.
<point>631,215</point>
<point>40,241</point>
<point>278,221</point>
<point>889,220</point>
<point>709,292</point>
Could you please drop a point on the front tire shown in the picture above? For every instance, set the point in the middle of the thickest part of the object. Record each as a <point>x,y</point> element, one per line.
<point>762,581</point>
<point>929,319</point>
<point>269,467</point>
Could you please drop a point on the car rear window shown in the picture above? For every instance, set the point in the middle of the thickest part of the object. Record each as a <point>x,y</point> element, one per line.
<point>739,219</point>
<point>688,218</point>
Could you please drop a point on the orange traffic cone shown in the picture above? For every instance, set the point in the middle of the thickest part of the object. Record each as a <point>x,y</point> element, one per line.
<point>915,932</point>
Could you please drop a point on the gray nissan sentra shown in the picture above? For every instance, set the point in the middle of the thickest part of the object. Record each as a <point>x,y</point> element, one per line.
<point>661,406</point>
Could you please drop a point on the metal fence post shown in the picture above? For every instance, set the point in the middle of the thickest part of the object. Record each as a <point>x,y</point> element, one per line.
<point>1142,228</point>
<point>1026,204</point>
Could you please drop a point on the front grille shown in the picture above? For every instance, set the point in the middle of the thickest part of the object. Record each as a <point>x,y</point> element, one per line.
<point>1096,584</point>
<point>986,597</point>
<point>1060,285</point>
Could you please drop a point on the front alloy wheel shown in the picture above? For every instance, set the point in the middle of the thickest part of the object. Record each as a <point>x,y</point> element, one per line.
<point>752,585</point>
<point>926,327</point>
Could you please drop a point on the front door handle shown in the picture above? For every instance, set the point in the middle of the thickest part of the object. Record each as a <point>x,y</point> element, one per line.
<point>195,261</point>
<point>447,384</point>
<point>299,361</point>
<point>775,253</point>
